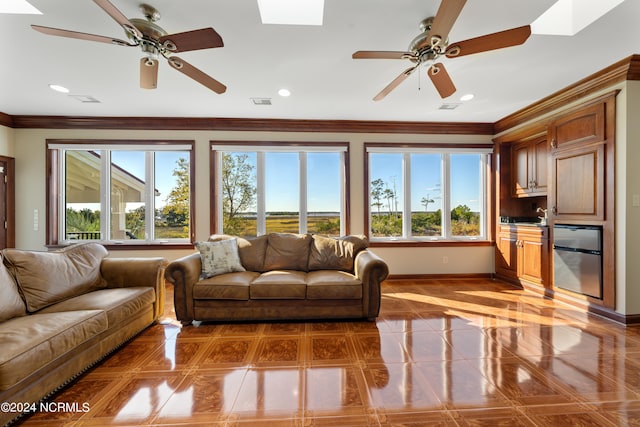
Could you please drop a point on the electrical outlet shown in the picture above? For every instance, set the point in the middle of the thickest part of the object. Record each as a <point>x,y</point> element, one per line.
<point>445,259</point>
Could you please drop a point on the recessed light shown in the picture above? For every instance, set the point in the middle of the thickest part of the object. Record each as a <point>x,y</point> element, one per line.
<point>59,88</point>
<point>467,97</point>
<point>284,92</point>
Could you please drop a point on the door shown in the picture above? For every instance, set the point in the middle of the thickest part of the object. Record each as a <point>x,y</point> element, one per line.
<point>7,203</point>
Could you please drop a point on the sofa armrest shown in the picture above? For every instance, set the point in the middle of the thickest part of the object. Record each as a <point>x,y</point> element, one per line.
<point>371,270</point>
<point>184,273</point>
<point>130,272</point>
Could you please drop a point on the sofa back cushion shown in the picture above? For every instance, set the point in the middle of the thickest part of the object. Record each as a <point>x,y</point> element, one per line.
<point>287,251</point>
<point>45,278</point>
<point>327,253</point>
<point>11,303</point>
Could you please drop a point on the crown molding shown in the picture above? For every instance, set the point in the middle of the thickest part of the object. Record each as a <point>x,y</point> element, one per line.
<point>240,124</point>
<point>6,120</point>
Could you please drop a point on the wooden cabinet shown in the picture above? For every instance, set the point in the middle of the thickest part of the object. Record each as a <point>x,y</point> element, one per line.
<point>523,254</point>
<point>578,165</point>
<point>529,168</point>
<point>584,126</point>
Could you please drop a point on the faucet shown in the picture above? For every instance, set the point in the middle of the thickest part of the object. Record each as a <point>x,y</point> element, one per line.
<point>543,219</point>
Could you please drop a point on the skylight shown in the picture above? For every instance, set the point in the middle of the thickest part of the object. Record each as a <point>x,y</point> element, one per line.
<point>18,6</point>
<point>291,12</point>
<point>569,17</point>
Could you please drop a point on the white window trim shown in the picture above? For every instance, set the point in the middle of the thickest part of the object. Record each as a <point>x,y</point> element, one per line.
<point>261,151</point>
<point>445,185</point>
<point>105,180</point>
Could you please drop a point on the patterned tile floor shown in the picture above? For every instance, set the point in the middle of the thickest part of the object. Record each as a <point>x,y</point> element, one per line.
<point>442,353</point>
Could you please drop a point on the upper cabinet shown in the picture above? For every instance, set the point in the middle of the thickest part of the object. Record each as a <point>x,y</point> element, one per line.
<point>581,127</point>
<point>578,158</point>
<point>529,168</point>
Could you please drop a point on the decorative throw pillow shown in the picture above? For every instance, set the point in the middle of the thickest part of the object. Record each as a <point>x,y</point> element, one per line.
<point>45,278</point>
<point>219,257</point>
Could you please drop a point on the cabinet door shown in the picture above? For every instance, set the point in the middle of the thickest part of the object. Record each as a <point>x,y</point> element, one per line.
<point>533,260</point>
<point>579,177</point>
<point>520,170</point>
<point>581,127</point>
<point>539,154</point>
<point>506,255</point>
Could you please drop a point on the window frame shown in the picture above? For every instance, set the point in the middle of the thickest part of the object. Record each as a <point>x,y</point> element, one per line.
<point>215,160</point>
<point>407,149</point>
<point>55,182</point>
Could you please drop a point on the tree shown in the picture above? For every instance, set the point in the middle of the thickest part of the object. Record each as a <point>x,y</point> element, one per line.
<point>377,189</point>
<point>238,190</point>
<point>176,209</point>
<point>425,201</point>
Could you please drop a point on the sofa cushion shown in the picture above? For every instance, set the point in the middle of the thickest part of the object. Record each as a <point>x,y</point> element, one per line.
<point>11,303</point>
<point>219,257</point>
<point>279,284</point>
<point>232,286</point>
<point>287,251</point>
<point>327,253</point>
<point>120,304</point>
<point>359,241</point>
<point>31,342</point>
<point>45,278</point>
<point>252,252</point>
<point>324,284</point>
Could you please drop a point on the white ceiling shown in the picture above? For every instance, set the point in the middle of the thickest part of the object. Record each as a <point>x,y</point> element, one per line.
<point>313,62</point>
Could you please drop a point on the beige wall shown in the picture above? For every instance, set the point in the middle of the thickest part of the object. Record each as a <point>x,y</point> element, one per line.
<point>6,141</point>
<point>628,186</point>
<point>30,190</point>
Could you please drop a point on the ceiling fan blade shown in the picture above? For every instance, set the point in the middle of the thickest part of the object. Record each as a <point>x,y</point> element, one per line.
<point>196,74</point>
<point>499,40</point>
<point>148,73</point>
<point>395,83</point>
<point>441,80</point>
<point>446,16</point>
<point>82,36</point>
<point>205,38</point>
<point>119,17</point>
<point>382,54</point>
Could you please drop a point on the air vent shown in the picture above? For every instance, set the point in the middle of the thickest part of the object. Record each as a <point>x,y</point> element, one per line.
<point>88,99</point>
<point>448,106</point>
<point>261,101</point>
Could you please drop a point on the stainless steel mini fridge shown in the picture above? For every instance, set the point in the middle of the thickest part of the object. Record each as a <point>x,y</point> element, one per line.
<point>577,259</point>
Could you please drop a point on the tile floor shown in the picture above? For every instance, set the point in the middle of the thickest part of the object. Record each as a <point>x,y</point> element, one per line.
<point>442,353</point>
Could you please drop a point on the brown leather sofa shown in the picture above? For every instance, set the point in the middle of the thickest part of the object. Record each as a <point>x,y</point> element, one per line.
<point>63,311</point>
<point>281,276</point>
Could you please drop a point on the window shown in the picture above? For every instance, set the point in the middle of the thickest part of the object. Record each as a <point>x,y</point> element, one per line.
<point>426,193</point>
<point>279,187</point>
<point>120,192</point>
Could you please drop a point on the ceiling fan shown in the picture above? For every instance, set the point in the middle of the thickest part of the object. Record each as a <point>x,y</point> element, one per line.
<point>154,42</point>
<point>433,43</point>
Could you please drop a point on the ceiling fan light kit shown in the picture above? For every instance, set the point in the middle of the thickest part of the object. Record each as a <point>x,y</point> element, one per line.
<point>433,42</point>
<point>154,42</point>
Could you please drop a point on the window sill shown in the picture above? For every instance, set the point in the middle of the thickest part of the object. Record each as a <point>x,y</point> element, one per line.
<point>404,243</point>
<point>130,246</point>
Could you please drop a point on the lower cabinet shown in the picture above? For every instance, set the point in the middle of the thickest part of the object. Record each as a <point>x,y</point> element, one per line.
<point>522,254</point>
